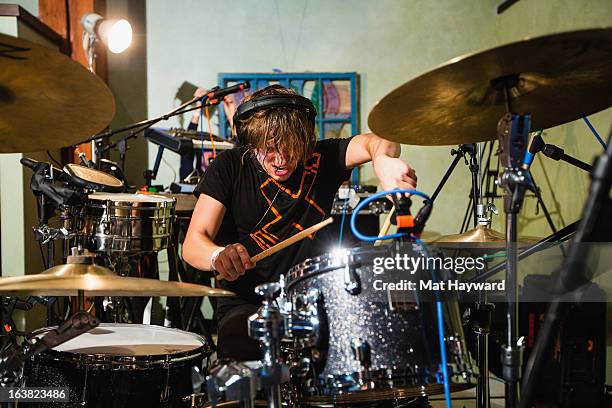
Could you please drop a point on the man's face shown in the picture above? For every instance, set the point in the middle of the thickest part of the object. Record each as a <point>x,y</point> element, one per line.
<point>275,164</point>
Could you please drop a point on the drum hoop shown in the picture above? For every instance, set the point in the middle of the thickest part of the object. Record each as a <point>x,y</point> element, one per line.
<point>107,197</point>
<point>331,261</point>
<point>116,362</point>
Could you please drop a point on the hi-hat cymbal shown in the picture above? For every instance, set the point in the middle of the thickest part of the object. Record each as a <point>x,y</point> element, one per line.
<point>94,280</point>
<point>47,100</point>
<point>561,77</point>
<point>479,237</point>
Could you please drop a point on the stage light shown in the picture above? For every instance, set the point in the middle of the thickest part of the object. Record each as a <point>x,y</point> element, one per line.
<point>116,35</point>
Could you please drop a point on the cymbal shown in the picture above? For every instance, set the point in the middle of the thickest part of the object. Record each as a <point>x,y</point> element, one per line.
<point>47,100</point>
<point>561,77</point>
<point>95,280</point>
<point>480,237</point>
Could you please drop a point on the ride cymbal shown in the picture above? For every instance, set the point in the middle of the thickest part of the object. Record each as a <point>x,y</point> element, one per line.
<point>95,280</point>
<point>558,78</point>
<point>47,100</point>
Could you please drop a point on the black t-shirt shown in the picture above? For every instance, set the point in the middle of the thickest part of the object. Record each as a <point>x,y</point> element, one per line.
<point>261,212</point>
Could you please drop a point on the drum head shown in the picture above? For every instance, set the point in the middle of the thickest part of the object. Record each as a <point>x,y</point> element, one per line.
<point>93,179</point>
<point>131,198</point>
<point>133,340</point>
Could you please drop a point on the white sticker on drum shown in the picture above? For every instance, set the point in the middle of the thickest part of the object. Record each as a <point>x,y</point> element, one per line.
<point>132,340</point>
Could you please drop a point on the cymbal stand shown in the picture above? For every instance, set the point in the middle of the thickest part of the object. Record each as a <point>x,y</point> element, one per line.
<point>240,380</point>
<point>460,153</point>
<point>513,133</point>
<point>268,326</point>
<point>480,320</point>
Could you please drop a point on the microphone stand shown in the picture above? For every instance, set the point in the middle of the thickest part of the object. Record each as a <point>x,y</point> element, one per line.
<point>141,127</point>
<point>571,275</point>
<point>13,358</point>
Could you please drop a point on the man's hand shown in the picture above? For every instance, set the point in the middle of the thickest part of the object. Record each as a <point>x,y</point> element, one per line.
<point>232,262</point>
<point>394,173</point>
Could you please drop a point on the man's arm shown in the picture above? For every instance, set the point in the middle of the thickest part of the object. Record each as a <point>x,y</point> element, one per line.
<point>384,155</point>
<point>198,248</point>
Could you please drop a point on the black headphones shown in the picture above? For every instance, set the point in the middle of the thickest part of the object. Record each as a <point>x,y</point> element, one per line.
<point>294,101</point>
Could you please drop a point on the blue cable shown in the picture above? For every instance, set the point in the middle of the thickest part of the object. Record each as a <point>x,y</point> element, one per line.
<point>599,139</point>
<point>371,238</point>
<point>440,314</point>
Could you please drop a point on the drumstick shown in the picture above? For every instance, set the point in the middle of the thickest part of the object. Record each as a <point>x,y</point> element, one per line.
<point>291,240</point>
<point>385,227</point>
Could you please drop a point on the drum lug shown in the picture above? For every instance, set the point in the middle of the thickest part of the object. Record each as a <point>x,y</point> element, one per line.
<point>301,367</point>
<point>362,353</point>
<point>303,320</point>
<point>457,352</point>
<point>352,283</point>
<point>344,383</point>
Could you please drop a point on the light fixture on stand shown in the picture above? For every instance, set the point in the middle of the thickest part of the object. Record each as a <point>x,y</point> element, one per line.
<point>115,34</point>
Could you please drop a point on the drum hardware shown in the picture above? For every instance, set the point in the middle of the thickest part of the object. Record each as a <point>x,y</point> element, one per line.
<point>479,317</point>
<point>240,380</point>
<point>513,133</point>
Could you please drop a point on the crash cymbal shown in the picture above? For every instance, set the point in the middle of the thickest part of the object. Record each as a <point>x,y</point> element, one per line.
<point>561,77</point>
<point>95,280</point>
<point>47,100</point>
<point>479,237</point>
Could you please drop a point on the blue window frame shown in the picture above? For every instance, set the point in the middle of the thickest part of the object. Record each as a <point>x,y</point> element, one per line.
<point>333,112</point>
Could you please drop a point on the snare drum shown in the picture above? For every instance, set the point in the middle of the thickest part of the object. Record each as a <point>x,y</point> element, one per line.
<point>120,365</point>
<point>371,344</point>
<point>127,223</point>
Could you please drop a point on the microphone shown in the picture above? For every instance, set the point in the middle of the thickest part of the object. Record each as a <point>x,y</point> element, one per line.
<point>216,95</point>
<point>536,143</point>
<point>54,172</point>
<point>78,324</point>
<point>12,357</point>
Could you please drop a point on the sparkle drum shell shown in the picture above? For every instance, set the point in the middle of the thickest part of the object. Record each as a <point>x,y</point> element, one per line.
<point>127,223</point>
<point>395,334</point>
<point>121,365</point>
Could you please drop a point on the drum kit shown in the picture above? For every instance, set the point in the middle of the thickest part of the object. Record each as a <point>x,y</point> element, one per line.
<point>328,338</point>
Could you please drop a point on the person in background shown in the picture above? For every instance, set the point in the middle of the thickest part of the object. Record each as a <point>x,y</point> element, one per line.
<point>186,169</point>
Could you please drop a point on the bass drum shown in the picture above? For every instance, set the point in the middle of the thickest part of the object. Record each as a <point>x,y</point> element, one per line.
<point>372,344</point>
<point>120,365</point>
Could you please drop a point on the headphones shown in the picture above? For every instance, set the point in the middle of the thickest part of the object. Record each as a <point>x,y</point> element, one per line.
<point>247,109</point>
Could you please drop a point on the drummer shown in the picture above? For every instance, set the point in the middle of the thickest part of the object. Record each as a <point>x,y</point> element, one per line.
<point>280,181</point>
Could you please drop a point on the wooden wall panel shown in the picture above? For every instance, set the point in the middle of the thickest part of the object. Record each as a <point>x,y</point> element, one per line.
<point>64,16</point>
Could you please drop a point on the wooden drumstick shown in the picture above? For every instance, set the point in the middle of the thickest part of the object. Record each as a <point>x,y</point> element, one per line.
<point>385,227</point>
<point>291,240</point>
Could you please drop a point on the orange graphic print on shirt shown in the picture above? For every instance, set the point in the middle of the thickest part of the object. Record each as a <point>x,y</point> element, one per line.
<point>302,208</point>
